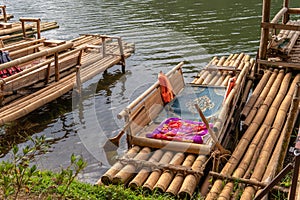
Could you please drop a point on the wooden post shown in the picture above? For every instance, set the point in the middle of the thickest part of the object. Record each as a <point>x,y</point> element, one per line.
<point>264,31</point>
<point>103,47</point>
<point>122,55</point>
<point>56,67</point>
<point>286,16</point>
<point>3,7</point>
<point>78,80</point>
<point>48,74</point>
<point>38,25</point>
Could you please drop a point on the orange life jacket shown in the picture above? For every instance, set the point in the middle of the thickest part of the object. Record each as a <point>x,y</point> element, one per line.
<point>165,88</point>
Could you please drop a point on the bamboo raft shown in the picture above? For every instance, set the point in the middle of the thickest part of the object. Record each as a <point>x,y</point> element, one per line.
<point>67,64</point>
<point>26,27</point>
<point>171,166</point>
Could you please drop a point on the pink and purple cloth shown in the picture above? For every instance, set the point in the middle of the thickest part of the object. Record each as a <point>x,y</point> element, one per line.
<point>176,129</point>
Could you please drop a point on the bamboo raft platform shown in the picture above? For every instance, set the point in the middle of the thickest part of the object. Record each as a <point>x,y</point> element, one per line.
<point>265,121</point>
<point>171,166</point>
<point>58,70</point>
<point>26,27</point>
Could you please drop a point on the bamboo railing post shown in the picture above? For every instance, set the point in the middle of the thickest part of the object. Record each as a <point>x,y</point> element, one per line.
<point>286,16</point>
<point>56,65</point>
<point>78,80</point>
<point>121,54</point>
<point>3,7</point>
<point>103,47</point>
<point>38,25</point>
<point>295,180</point>
<point>264,31</point>
<point>48,74</point>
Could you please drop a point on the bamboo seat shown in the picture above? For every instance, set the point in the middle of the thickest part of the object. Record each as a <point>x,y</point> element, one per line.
<point>4,25</point>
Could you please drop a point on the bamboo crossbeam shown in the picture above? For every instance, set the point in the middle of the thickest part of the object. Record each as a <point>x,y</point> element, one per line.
<point>294,11</point>
<point>245,181</point>
<point>31,57</point>
<point>172,145</point>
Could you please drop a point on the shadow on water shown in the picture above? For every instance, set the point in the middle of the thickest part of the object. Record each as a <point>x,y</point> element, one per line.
<point>55,119</point>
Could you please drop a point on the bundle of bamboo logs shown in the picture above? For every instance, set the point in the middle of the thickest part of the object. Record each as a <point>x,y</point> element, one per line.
<point>175,173</point>
<point>269,118</point>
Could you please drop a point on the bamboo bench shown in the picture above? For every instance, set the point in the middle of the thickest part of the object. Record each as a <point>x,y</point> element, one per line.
<point>41,73</point>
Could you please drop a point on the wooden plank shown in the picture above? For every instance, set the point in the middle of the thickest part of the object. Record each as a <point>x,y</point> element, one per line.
<point>279,64</point>
<point>280,26</point>
<point>294,11</point>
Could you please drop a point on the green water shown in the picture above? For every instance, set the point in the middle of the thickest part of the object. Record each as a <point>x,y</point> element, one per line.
<point>164,33</point>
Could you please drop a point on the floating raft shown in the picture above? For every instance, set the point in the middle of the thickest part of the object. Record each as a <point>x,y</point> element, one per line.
<point>175,167</point>
<point>13,30</point>
<point>70,63</point>
<point>268,125</point>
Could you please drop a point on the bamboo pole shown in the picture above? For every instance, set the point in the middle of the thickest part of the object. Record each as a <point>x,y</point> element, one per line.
<point>167,176</point>
<point>43,53</point>
<point>257,91</point>
<point>249,84</point>
<point>191,181</point>
<point>172,145</point>
<point>264,31</point>
<point>154,176</point>
<point>259,169</point>
<point>141,177</point>
<point>178,179</point>
<point>274,165</point>
<point>108,176</point>
<point>127,171</point>
<point>260,99</point>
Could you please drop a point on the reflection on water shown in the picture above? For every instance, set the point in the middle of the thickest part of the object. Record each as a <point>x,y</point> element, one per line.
<point>164,33</point>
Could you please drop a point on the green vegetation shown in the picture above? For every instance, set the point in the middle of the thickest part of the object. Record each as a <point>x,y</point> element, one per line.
<point>19,179</point>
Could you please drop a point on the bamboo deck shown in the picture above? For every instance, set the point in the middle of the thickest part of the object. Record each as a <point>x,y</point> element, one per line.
<point>176,167</point>
<point>92,63</point>
<point>268,118</point>
<point>8,34</point>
